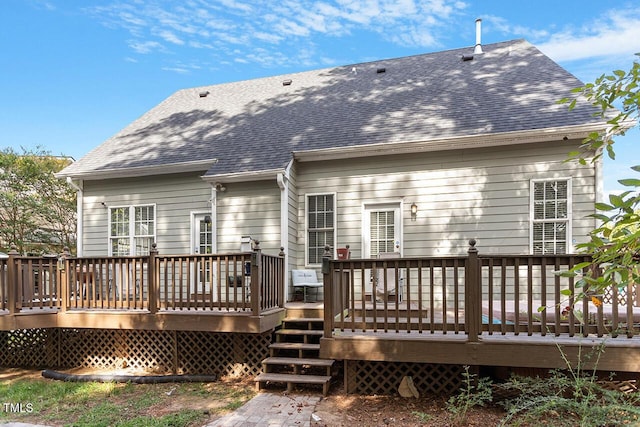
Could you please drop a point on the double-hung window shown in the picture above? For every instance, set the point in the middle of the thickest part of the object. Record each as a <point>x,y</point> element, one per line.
<point>321,217</point>
<point>550,216</point>
<point>131,230</point>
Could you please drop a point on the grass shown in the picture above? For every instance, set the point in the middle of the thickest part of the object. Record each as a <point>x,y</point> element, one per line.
<point>38,400</point>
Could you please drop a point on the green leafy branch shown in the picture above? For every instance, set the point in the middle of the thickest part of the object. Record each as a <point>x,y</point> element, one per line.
<point>615,243</point>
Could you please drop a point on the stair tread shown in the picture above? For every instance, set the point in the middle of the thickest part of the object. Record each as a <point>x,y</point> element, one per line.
<point>303,319</point>
<point>294,378</point>
<point>295,346</point>
<point>275,360</point>
<point>288,331</point>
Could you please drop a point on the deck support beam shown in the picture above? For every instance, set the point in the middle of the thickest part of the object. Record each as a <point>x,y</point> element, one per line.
<point>512,351</point>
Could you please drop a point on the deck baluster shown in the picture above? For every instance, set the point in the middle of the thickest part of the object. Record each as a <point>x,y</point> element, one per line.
<point>12,278</point>
<point>472,293</point>
<point>153,287</point>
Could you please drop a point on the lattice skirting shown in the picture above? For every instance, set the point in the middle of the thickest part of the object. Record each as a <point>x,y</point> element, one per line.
<point>181,352</point>
<point>367,377</point>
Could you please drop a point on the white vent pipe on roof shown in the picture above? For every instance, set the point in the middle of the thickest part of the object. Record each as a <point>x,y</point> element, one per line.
<point>478,48</point>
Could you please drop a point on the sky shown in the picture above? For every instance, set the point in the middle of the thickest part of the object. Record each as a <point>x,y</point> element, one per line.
<point>75,72</point>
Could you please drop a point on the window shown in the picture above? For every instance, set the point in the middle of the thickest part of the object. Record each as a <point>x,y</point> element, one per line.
<point>550,216</point>
<point>320,226</point>
<point>131,230</point>
<point>383,232</point>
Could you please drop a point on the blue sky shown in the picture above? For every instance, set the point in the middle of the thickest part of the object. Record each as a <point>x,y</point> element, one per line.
<point>74,72</point>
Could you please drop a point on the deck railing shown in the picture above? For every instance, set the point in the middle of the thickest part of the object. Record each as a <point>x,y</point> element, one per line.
<point>474,295</point>
<point>28,283</point>
<point>251,282</point>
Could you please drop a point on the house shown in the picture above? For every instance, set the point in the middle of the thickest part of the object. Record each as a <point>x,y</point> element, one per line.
<point>413,155</point>
<point>410,162</point>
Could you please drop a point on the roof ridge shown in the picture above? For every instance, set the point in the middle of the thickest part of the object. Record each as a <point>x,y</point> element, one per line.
<point>356,64</point>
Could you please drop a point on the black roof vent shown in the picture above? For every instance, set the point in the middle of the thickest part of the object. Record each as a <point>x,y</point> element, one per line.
<point>467,57</point>
<point>287,82</point>
<point>203,94</point>
<point>381,70</point>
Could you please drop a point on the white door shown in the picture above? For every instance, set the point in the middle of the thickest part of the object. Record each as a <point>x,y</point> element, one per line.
<point>382,231</point>
<point>202,230</point>
<point>202,243</point>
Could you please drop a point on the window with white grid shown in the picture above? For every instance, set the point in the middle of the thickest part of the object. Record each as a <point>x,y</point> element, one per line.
<point>550,216</point>
<point>320,226</point>
<point>131,230</point>
<point>383,232</point>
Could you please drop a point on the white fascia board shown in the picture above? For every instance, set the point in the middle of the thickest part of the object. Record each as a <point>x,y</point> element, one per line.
<point>138,171</point>
<point>455,143</point>
<point>263,175</point>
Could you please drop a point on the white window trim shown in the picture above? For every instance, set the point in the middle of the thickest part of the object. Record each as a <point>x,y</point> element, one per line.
<point>132,236</point>
<point>306,225</point>
<point>192,242</point>
<point>569,219</point>
<point>366,222</point>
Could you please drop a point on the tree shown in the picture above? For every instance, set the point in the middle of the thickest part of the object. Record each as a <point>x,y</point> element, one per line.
<point>615,244</point>
<point>37,210</point>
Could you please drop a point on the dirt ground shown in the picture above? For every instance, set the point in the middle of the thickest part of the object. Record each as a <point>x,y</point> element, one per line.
<point>336,410</point>
<point>339,409</point>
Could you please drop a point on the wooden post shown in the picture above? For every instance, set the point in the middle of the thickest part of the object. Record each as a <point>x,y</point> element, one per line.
<point>282,277</point>
<point>327,279</point>
<point>472,293</point>
<point>256,274</point>
<point>63,279</point>
<point>153,280</point>
<point>12,280</point>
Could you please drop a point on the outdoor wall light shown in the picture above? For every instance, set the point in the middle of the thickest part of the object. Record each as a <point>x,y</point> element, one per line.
<point>414,211</point>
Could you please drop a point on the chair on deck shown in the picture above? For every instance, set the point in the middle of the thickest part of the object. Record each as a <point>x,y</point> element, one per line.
<point>305,279</point>
<point>379,279</point>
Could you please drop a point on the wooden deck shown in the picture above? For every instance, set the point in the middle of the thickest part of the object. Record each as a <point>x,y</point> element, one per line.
<point>471,310</point>
<point>492,350</point>
<point>236,293</point>
<point>476,310</point>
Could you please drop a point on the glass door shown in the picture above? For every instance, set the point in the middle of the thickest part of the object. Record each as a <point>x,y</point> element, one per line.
<point>202,234</point>
<point>202,243</point>
<point>381,230</point>
<point>382,237</point>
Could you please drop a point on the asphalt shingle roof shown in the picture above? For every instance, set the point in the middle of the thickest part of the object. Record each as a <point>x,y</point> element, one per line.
<point>254,125</point>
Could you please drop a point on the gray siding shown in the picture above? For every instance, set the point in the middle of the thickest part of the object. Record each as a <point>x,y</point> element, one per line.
<point>463,194</point>
<point>249,209</point>
<point>295,249</point>
<point>175,197</point>
<point>243,209</point>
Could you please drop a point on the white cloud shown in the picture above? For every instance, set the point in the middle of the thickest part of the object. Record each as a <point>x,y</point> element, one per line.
<point>616,33</point>
<point>286,26</point>
<point>268,37</point>
<point>236,5</point>
<point>416,36</point>
<point>43,4</point>
<point>145,47</point>
<point>170,37</point>
<point>501,25</point>
<point>176,70</point>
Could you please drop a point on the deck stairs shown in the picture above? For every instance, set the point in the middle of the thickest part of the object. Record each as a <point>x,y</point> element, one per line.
<point>294,356</point>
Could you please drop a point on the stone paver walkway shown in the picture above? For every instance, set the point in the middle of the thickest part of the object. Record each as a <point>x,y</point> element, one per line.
<point>16,424</point>
<point>264,410</point>
<point>272,409</point>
